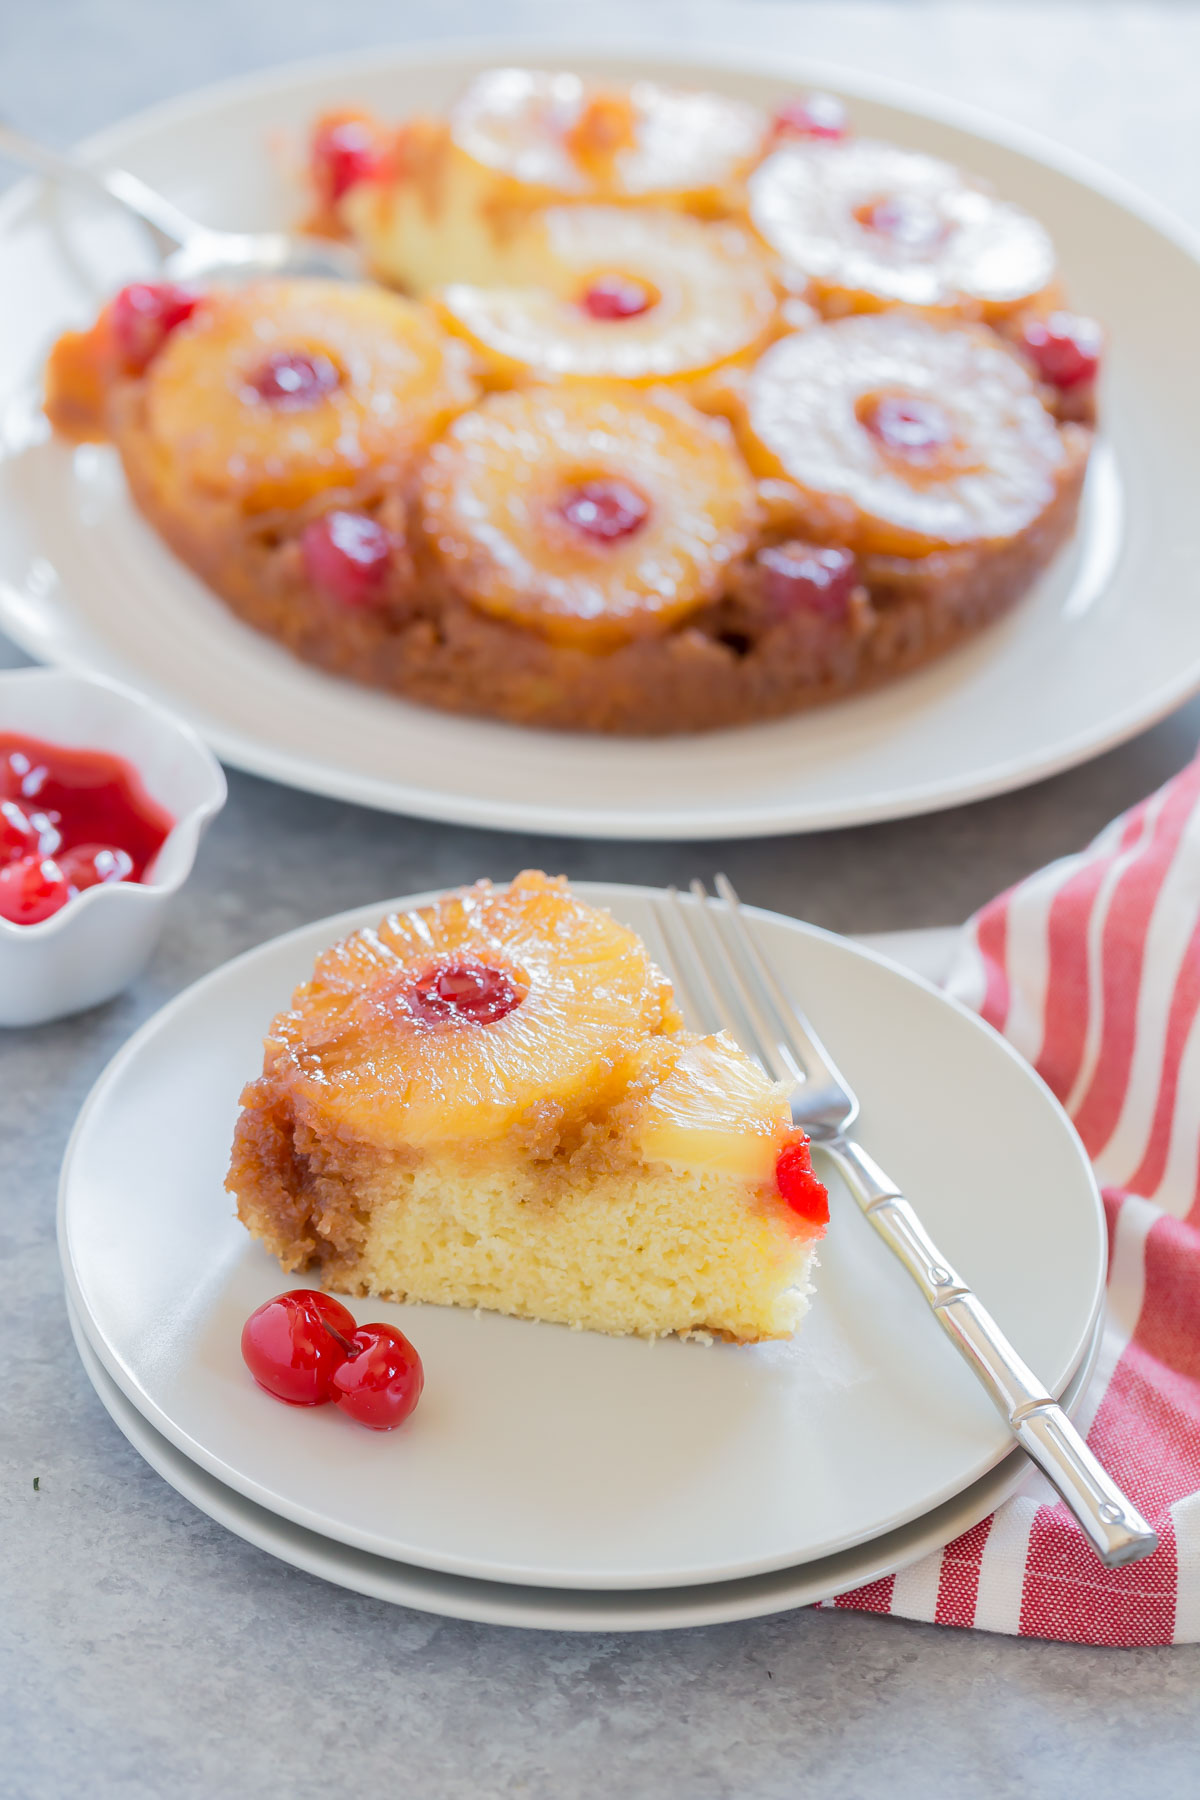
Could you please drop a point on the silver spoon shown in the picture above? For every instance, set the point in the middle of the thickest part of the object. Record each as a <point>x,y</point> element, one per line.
<point>188,251</point>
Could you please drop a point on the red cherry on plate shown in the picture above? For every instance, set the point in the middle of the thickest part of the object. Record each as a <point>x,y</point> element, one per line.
<point>144,315</point>
<point>803,1190</point>
<point>381,1382</point>
<point>94,865</point>
<point>1065,348</point>
<point>344,152</point>
<point>31,889</point>
<point>294,1344</point>
<point>814,578</point>
<point>812,116</point>
<point>347,556</point>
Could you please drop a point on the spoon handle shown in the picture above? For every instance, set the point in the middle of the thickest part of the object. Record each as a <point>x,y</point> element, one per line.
<point>169,227</point>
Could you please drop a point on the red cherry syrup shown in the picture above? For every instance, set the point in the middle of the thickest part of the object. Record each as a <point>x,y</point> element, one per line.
<point>69,820</point>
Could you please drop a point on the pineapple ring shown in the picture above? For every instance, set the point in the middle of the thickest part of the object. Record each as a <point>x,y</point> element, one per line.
<point>908,436</point>
<point>382,381</point>
<point>871,226</point>
<point>353,1048</point>
<point>557,133</point>
<point>705,298</point>
<point>508,493</point>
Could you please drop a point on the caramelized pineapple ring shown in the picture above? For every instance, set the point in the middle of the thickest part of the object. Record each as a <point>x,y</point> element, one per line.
<point>555,132</point>
<point>356,1047</point>
<point>871,226</point>
<point>902,437</point>
<point>274,393</point>
<point>593,514</point>
<point>622,293</point>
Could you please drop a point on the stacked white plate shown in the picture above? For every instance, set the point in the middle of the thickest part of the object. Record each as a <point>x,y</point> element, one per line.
<point>563,1479</point>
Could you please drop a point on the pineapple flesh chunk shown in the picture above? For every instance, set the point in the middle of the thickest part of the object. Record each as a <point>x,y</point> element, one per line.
<point>358,1054</point>
<point>394,380</point>
<point>704,292</point>
<point>498,498</point>
<point>518,140</point>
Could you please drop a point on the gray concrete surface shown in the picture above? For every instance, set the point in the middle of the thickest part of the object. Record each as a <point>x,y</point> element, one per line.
<point>143,1651</point>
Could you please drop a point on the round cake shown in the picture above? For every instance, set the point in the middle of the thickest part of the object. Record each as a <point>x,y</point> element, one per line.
<point>660,414</point>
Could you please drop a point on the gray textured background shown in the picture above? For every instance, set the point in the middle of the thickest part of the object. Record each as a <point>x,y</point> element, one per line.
<point>143,1651</point>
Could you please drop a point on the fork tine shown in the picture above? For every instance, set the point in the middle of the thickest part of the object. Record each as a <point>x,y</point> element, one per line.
<point>769,1042</point>
<point>684,964</point>
<point>795,1035</point>
<point>720,977</point>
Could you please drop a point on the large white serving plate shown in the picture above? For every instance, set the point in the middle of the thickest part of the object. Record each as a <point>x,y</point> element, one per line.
<point>564,1609</point>
<point>1109,642</point>
<point>552,1458</point>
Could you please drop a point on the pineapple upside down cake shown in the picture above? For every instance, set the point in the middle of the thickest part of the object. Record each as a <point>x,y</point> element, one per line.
<point>492,1102</point>
<point>659,413</point>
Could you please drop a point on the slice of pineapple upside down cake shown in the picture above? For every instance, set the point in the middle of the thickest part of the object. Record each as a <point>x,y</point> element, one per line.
<point>492,1102</point>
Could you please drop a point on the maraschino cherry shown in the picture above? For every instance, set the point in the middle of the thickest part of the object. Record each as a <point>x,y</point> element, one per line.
<point>347,556</point>
<point>294,378</point>
<point>803,1190</point>
<point>811,116</point>
<point>605,510</point>
<point>142,318</point>
<point>381,1380</point>
<point>617,297</point>
<point>304,1348</point>
<point>31,888</point>
<point>344,152</point>
<point>909,425</point>
<point>801,577</point>
<point>1065,348</point>
<point>469,991</point>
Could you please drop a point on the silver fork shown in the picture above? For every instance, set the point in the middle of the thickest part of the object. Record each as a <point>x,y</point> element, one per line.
<point>187,250</point>
<point>716,963</point>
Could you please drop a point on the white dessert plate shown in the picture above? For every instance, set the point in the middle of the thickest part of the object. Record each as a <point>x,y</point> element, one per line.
<point>1108,642</point>
<point>562,1609</point>
<point>554,1458</point>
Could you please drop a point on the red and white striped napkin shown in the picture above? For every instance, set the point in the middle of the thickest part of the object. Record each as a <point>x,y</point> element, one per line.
<point>1091,968</point>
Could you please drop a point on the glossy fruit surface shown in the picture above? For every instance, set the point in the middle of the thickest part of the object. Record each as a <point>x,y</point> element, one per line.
<point>467,991</point>
<point>142,318</point>
<point>69,819</point>
<point>347,556</point>
<point>92,865</point>
<point>294,378</point>
<point>294,1344</point>
<point>31,889</point>
<point>803,1190</point>
<point>800,577</point>
<point>381,1380</point>
<point>616,297</point>
<point>604,510</point>
<point>916,436</point>
<point>632,293</point>
<point>283,390</point>
<point>811,116</point>
<point>1065,348</point>
<point>355,1044</point>
<point>552,130</point>
<point>345,150</point>
<point>658,504</point>
<point>866,225</point>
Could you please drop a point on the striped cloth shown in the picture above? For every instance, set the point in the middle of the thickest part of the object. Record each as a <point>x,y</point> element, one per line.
<point>1091,968</point>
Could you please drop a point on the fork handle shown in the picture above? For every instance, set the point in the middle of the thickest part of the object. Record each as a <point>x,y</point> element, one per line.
<point>169,228</point>
<point>1114,1528</point>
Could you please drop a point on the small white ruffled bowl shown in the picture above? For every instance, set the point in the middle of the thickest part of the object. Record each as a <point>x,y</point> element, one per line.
<point>97,943</point>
